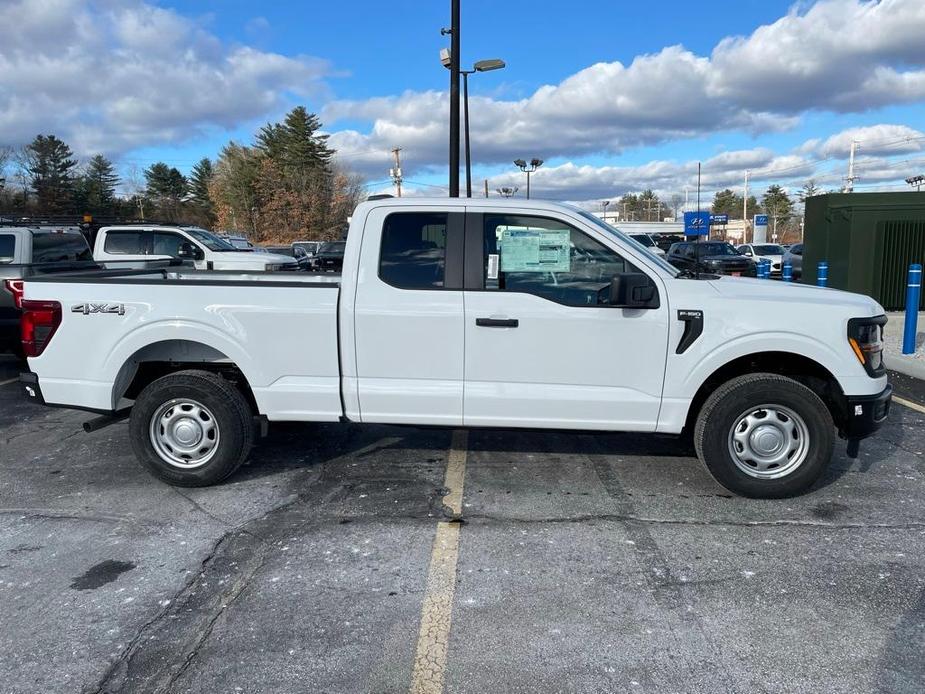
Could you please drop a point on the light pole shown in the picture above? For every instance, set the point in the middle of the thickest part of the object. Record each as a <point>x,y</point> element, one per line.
<point>916,181</point>
<point>480,66</point>
<point>534,165</point>
<point>453,65</point>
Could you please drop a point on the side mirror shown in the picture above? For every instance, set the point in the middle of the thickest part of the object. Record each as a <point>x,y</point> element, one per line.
<point>188,251</point>
<point>633,290</point>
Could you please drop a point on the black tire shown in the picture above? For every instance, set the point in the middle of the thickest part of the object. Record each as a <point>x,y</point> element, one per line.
<point>224,409</point>
<point>723,411</point>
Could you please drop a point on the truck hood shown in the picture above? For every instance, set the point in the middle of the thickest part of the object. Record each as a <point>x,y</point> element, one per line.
<point>792,294</point>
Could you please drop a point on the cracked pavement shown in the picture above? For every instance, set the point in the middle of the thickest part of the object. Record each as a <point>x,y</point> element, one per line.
<point>587,563</point>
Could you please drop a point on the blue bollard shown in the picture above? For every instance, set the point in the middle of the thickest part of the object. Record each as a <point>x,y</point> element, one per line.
<point>767,269</point>
<point>913,294</point>
<point>822,274</point>
<point>786,272</point>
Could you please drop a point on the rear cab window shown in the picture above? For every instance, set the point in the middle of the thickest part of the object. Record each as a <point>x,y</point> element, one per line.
<point>59,248</point>
<point>413,250</point>
<point>127,242</point>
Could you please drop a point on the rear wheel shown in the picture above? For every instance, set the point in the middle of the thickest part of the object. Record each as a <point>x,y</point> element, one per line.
<point>191,428</point>
<point>764,435</point>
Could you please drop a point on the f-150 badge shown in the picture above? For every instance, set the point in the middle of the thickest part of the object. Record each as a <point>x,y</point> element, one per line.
<point>88,308</point>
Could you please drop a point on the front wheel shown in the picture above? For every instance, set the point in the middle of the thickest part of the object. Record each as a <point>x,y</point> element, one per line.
<point>765,436</point>
<point>191,428</point>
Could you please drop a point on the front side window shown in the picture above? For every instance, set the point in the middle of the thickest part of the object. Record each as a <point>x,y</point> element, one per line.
<point>548,258</point>
<point>167,244</point>
<point>7,248</point>
<point>413,252</point>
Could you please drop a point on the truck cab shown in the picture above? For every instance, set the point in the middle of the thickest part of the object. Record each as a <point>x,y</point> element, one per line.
<point>207,251</point>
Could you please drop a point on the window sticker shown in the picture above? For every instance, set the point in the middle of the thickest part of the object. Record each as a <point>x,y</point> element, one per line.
<point>535,251</point>
<point>492,266</point>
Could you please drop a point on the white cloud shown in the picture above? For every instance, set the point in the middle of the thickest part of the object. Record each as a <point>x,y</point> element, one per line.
<point>837,55</point>
<point>112,75</point>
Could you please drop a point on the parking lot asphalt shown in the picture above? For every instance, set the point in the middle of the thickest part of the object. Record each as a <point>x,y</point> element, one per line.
<point>573,563</point>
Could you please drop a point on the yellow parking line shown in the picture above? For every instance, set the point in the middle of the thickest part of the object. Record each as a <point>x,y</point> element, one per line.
<point>437,609</point>
<point>908,403</point>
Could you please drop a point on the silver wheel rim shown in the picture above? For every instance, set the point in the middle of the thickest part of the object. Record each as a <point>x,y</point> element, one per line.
<point>184,433</point>
<point>769,441</point>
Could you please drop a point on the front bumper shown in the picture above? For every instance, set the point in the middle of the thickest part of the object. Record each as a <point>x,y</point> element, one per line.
<point>864,414</point>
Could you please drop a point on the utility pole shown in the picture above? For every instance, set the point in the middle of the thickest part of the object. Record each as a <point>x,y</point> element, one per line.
<point>849,181</point>
<point>486,187</point>
<point>395,172</point>
<point>745,210</point>
<point>454,98</point>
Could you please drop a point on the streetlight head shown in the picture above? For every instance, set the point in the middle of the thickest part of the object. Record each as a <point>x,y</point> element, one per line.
<point>445,58</point>
<point>521,163</point>
<point>536,163</point>
<point>488,65</point>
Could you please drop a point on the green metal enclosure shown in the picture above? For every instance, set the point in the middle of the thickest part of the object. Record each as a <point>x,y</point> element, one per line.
<point>868,240</point>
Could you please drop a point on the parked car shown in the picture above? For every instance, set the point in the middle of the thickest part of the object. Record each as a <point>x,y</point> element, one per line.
<point>794,256</point>
<point>664,241</point>
<point>239,242</point>
<point>467,313</point>
<point>203,248</point>
<point>764,251</point>
<point>714,257</point>
<point>26,252</point>
<point>307,247</point>
<point>648,242</point>
<point>329,257</point>
<point>292,251</point>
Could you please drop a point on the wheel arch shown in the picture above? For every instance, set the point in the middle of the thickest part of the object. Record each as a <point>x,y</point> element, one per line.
<point>799,367</point>
<point>163,357</point>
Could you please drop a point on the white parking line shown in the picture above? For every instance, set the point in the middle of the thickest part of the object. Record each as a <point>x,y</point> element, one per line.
<point>908,403</point>
<point>437,609</point>
<point>9,381</point>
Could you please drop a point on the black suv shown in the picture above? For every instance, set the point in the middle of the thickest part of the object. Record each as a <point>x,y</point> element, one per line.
<point>712,257</point>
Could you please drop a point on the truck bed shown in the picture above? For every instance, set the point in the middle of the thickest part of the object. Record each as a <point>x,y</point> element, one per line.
<point>279,329</point>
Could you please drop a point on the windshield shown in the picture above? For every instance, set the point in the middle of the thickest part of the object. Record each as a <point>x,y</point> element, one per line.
<point>333,247</point>
<point>716,249</point>
<point>650,256</point>
<point>769,249</point>
<point>644,239</point>
<point>210,240</point>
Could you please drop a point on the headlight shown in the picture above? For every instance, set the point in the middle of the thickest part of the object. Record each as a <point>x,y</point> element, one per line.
<point>865,335</point>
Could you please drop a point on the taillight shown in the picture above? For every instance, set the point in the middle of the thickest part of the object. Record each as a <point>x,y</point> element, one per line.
<point>14,287</point>
<point>39,321</point>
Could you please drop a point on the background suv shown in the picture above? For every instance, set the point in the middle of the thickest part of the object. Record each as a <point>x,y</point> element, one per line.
<point>713,257</point>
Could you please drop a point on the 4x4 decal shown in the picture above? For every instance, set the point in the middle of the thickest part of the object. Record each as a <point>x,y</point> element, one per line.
<point>88,308</point>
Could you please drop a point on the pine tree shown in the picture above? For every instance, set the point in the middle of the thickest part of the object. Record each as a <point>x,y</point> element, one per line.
<point>200,181</point>
<point>305,148</point>
<point>166,188</point>
<point>50,166</point>
<point>99,185</point>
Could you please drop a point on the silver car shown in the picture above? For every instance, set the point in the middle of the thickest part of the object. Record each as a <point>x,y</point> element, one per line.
<point>794,256</point>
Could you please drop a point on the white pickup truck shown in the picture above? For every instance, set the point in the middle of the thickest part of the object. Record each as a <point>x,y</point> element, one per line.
<point>117,245</point>
<point>466,313</point>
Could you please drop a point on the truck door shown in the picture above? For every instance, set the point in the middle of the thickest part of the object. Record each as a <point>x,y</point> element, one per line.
<point>408,316</point>
<point>543,347</point>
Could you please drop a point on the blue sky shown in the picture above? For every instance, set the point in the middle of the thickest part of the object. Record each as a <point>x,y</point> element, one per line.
<point>614,95</point>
